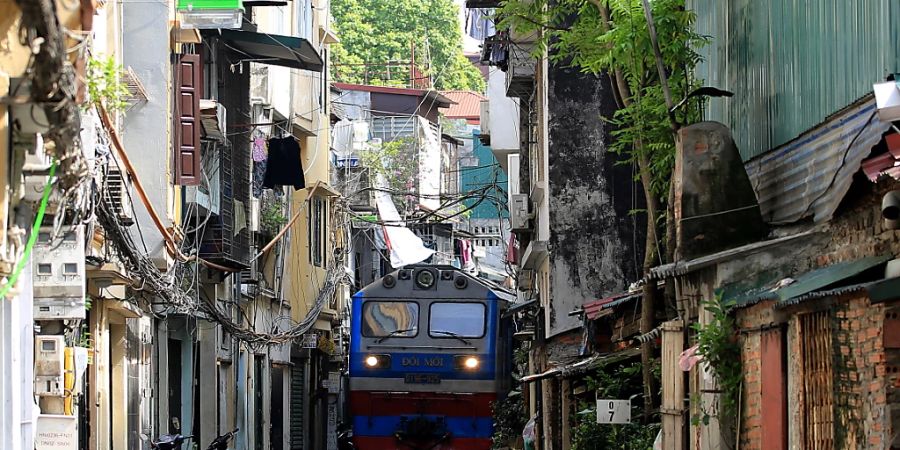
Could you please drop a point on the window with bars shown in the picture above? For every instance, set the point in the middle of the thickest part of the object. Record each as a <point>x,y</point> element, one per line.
<point>317,231</point>
<point>816,394</point>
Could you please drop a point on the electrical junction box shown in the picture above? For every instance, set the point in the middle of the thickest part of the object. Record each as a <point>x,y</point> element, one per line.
<point>518,212</point>
<point>58,274</point>
<point>49,365</point>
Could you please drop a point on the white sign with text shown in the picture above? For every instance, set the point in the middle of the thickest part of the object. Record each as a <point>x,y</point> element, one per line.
<point>613,411</point>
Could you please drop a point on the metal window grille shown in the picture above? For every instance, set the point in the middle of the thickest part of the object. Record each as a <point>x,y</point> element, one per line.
<point>817,396</point>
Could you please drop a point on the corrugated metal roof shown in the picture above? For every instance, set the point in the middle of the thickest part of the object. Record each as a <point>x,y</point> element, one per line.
<point>594,309</point>
<point>822,294</point>
<point>683,267</point>
<point>805,284</point>
<point>790,63</point>
<point>810,175</point>
<point>584,365</point>
<point>468,105</point>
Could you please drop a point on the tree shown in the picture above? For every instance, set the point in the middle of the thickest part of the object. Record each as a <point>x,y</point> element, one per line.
<point>377,32</point>
<point>612,37</point>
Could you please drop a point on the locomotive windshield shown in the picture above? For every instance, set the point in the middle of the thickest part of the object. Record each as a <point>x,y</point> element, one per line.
<point>450,319</point>
<point>395,319</point>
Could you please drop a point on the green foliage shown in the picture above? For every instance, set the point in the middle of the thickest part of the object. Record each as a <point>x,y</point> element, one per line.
<point>621,382</point>
<point>103,78</point>
<point>84,337</point>
<point>271,214</point>
<point>510,417</point>
<point>396,161</point>
<point>376,32</point>
<point>720,349</point>
<point>577,33</point>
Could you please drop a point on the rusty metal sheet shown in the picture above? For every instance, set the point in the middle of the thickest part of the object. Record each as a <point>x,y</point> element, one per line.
<point>773,385</point>
<point>891,333</point>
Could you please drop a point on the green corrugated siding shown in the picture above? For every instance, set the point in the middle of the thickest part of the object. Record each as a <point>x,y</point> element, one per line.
<point>792,63</point>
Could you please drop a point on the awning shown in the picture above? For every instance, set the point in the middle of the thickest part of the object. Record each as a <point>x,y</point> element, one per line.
<point>599,308</point>
<point>274,49</point>
<point>800,287</point>
<point>581,366</point>
<point>519,307</point>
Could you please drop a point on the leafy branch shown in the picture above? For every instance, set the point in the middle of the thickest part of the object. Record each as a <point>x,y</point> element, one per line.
<point>718,345</point>
<point>103,78</point>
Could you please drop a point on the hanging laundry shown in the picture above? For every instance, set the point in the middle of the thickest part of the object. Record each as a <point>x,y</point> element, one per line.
<point>259,174</point>
<point>480,23</point>
<point>283,166</point>
<point>259,149</point>
<point>512,250</point>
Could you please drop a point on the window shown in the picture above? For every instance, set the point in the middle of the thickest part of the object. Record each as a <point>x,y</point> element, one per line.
<point>456,319</point>
<point>316,230</point>
<point>70,269</point>
<point>816,354</point>
<point>44,269</point>
<point>400,319</point>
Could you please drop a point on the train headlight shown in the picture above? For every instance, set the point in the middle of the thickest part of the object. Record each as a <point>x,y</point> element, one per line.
<point>377,361</point>
<point>425,279</point>
<point>467,362</point>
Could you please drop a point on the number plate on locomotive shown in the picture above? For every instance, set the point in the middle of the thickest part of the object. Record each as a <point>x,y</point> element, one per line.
<point>422,378</point>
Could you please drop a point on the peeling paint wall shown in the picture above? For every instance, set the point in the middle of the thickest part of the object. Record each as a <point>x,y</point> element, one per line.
<point>596,246</point>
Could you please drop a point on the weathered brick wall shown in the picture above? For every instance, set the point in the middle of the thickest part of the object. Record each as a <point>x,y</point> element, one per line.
<point>860,388</point>
<point>857,230</point>
<point>861,410</point>
<point>750,320</point>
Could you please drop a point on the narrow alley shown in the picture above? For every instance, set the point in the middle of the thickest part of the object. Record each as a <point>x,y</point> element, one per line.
<point>449,224</point>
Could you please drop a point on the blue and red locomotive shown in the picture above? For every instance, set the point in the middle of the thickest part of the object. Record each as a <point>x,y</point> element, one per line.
<point>428,357</point>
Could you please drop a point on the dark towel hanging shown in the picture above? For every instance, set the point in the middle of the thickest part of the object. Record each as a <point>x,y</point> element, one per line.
<point>283,167</point>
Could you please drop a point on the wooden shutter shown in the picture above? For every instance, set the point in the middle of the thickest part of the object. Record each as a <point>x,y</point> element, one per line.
<point>297,425</point>
<point>773,385</point>
<point>187,120</point>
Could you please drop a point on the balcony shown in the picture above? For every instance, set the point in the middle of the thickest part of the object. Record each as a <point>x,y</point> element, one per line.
<point>221,218</point>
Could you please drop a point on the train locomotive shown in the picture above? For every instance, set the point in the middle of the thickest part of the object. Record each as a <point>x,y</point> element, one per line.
<point>429,354</point>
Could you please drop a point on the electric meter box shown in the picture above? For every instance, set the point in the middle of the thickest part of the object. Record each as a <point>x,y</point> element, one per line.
<point>49,365</point>
<point>58,273</point>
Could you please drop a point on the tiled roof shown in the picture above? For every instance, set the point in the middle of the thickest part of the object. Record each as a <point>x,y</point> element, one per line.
<point>468,105</point>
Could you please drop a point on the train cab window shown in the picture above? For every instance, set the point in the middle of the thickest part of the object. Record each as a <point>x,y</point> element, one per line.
<point>395,319</point>
<point>453,319</point>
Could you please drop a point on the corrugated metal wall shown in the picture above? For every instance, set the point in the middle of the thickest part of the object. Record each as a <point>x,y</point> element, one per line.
<point>792,63</point>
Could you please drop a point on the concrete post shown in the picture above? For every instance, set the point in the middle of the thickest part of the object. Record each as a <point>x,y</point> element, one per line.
<point>207,386</point>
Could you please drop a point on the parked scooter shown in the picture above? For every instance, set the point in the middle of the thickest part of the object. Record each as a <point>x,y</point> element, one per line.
<point>345,437</point>
<point>174,441</point>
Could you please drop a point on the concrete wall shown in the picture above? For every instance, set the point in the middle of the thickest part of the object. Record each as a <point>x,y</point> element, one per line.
<point>146,129</point>
<point>596,245</point>
<point>17,409</point>
<point>504,114</point>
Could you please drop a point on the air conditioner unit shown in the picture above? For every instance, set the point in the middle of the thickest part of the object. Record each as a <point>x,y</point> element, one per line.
<point>525,281</point>
<point>519,212</point>
<point>250,275</point>
<point>49,365</point>
<point>118,196</point>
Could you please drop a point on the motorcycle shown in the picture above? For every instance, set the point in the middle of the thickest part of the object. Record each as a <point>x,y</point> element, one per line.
<point>345,437</point>
<point>174,441</point>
